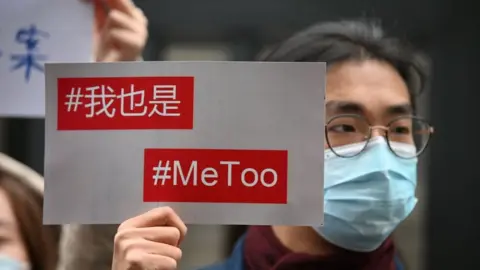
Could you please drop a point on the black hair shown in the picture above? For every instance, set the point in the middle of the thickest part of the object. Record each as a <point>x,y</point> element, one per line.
<point>333,42</point>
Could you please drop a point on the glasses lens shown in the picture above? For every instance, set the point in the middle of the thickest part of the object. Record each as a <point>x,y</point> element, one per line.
<point>345,130</point>
<point>411,131</point>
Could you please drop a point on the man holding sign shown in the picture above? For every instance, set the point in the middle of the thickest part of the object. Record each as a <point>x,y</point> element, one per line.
<point>372,141</point>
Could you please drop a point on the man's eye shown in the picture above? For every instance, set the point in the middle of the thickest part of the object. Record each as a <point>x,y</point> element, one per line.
<point>401,130</point>
<point>342,128</point>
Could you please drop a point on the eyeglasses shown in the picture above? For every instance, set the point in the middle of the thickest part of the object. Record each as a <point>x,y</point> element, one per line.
<point>352,128</point>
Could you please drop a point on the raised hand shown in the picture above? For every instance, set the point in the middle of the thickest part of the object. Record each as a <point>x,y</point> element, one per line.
<point>149,241</point>
<point>124,33</point>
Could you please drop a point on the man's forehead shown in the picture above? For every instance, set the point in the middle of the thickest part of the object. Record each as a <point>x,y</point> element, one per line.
<point>354,87</point>
<point>355,70</point>
<point>353,106</point>
<point>365,77</point>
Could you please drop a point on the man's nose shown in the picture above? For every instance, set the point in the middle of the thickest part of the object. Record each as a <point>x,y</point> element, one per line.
<point>379,131</point>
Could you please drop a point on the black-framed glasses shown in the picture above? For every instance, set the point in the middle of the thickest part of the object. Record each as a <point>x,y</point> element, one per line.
<point>348,129</point>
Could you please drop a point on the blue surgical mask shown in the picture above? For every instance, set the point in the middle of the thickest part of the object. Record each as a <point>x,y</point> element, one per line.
<point>8,263</point>
<point>367,196</point>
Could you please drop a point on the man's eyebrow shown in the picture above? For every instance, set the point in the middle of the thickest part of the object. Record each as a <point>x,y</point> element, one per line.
<point>400,109</point>
<point>339,107</point>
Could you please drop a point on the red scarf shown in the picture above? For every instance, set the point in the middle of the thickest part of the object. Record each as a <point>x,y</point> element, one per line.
<point>263,251</point>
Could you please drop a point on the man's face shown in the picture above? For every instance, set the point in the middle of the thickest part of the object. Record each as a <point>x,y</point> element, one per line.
<point>370,88</point>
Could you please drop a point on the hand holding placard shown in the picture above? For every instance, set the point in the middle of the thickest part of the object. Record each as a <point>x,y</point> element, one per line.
<point>124,33</point>
<point>149,241</point>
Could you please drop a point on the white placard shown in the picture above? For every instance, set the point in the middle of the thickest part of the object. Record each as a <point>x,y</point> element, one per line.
<point>219,142</point>
<point>33,32</point>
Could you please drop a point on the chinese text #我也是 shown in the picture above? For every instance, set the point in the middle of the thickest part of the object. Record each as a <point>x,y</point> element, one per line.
<point>102,99</point>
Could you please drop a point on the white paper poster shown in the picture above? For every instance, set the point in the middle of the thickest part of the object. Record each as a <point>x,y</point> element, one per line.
<point>33,32</point>
<point>219,142</point>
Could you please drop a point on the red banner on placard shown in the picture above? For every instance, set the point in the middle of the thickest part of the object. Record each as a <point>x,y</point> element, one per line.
<point>215,176</point>
<point>125,103</point>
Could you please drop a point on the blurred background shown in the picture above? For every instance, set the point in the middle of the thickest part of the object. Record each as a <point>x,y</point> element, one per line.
<point>442,233</point>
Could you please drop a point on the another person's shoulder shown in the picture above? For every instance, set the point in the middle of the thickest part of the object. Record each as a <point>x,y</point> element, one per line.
<point>398,263</point>
<point>234,262</point>
<point>219,266</point>
<point>229,264</point>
